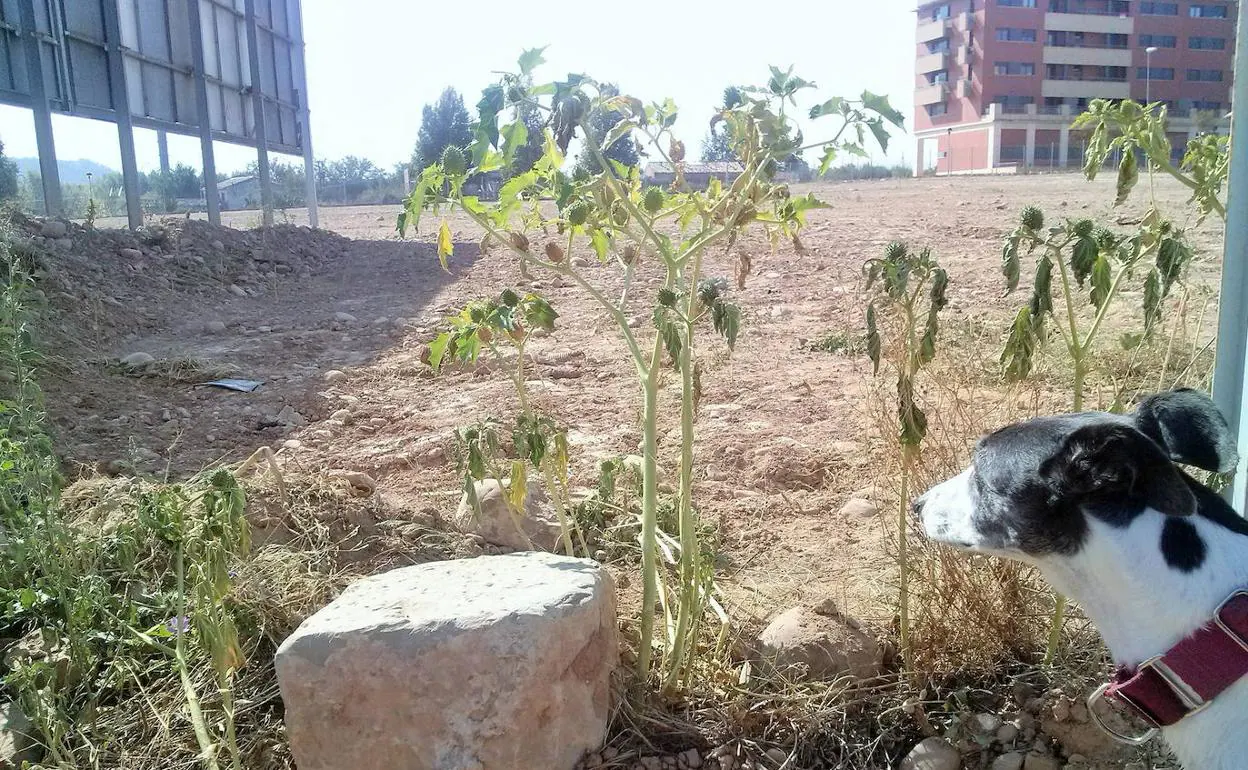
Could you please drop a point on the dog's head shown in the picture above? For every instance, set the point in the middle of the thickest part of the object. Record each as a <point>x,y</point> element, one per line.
<point>1032,487</point>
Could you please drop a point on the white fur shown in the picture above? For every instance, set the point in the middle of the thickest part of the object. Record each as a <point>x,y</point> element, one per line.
<point>1141,605</point>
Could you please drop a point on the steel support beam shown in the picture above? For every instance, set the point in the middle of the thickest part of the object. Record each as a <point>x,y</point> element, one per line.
<point>49,172</point>
<point>1228,373</point>
<point>258,122</point>
<point>162,150</point>
<point>305,118</point>
<point>211,198</point>
<point>121,108</point>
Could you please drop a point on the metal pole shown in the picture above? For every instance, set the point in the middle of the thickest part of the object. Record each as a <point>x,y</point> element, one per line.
<point>162,149</point>
<point>1148,73</point>
<point>257,108</point>
<point>121,109</point>
<point>48,170</point>
<point>211,199</point>
<point>1228,373</point>
<point>305,116</point>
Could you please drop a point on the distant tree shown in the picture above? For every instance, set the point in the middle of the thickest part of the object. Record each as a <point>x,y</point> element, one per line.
<point>182,181</point>
<point>287,180</point>
<point>443,124</point>
<point>624,150</point>
<point>8,176</point>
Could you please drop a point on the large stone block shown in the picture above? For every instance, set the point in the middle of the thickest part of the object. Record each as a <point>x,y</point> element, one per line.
<point>474,664</point>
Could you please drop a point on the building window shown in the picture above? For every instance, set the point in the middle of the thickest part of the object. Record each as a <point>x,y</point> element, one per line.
<point>1086,72</point>
<point>1159,9</point>
<point>1025,68</point>
<point>938,77</point>
<point>1092,7</point>
<point>1158,41</point>
<point>1155,73</point>
<point>1017,3</point>
<point>940,12</point>
<point>1205,76</point>
<point>1203,105</point>
<point>936,110</point>
<point>1016,35</point>
<point>1198,43</point>
<point>1117,40</point>
<point>1015,104</point>
<point>938,46</point>
<point>1207,11</point>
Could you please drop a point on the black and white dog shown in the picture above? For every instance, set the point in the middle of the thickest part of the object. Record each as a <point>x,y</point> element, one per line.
<point>1099,504</point>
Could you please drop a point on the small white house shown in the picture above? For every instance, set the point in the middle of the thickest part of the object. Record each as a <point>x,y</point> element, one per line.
<point>240,192</point>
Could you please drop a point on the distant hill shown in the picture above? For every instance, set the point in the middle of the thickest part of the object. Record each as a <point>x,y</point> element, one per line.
<point>72,171</point>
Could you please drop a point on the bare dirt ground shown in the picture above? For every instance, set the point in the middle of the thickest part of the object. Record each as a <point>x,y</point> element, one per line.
<point>786,432</point>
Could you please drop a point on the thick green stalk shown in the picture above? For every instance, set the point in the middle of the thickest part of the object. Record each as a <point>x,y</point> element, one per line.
<point>908,458</point>
<point>649,508</point>
<point>207,748</point>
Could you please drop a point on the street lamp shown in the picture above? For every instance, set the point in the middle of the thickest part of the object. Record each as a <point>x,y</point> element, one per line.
<point>1148,73</point>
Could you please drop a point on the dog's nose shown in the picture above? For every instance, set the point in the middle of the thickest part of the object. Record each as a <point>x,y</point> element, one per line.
<point>916,506</point>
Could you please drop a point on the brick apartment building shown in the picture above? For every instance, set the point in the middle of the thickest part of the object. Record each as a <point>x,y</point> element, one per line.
<point>998,81</point>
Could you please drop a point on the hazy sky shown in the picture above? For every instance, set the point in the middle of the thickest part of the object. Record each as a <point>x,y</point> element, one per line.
<point>372,65</point>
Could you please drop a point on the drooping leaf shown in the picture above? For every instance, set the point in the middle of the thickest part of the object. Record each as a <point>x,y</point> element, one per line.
<point>437,350</point>
<point>1173,255</point>
<point>517,490</point>
<point>445,246</point>
<point>1102,281</point>
<point>881,133</point>
<point>829,155</point>
<point>1083,258</point>
<point>1010,266</point>
<point>874,345</point>
<point>726,318</point>
<point>927,345</point>
<point>1128,175</point>
<point>515,135</point>
<point>880,106</point>
<point>538,313</point>
<point>1042,289</point>
<point>830,107</point>
<point>912,421</point>
<point>1153,297</point>
<point>670,333</point>
<point>601,244</point>
<point>940,286</point>
<point>1020,346</point>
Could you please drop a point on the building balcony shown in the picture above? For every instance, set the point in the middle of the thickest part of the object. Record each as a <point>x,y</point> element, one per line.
<point>1086,89</point>
<point>932,62</point>
<point>1097,57</point>
<point>1081,22</point>
<point>933,30</point>
<point>964,88</point>
<point>933,94</point>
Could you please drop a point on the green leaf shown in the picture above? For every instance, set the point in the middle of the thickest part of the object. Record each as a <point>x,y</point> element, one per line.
<point>1042,289</point>
<point>1128,174</point>
<point>726,318</point>
<point>912,420</point>
<point>667,297</point>
<point>874,345</point>
<point>940,286</point>
<point>531,59</point>
<point>829,155</point>
<point>445,246</point>
<point>1020,346</point>
<point>1083,258</point>
<point>1173,255</point>
<point>1153,297</point>
<point>830,107</point>
<point>538,313</point>
<point>669,332</point>
<point>515,135</point>
<point>1102,281</point>
<point>880,106</point>
<point>881,133</point>
<point>509,193</point>
<point>927,345</point>
<point>598,239</point>
<point>437,350</point>
<point>1010,266</point>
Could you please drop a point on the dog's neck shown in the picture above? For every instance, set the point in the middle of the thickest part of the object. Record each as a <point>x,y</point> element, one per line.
<point>1143,606</point>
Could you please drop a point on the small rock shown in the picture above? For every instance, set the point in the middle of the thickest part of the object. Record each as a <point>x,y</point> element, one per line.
<point>1061,710</point>
<point>497,522</point>
<point>651,763</point>
<point>860,508</point>
<point>564,373</point>
<point>345,318</point>
<point>237,291</point>
<point>218,246</point>
<point>361,484</point>
<point>19,739</point>
<point>1077,759</point>
<point>293,443</point>
<point>264,329</point>
<point>1012,761</point>
<point>341,416</point>
<point>1041,762</point>
<point>64,244</point>
<point>382,321</point>
<point>138,360</point>
<point>820,645</point>
<point>591,761</point>
<point>691,759</point>
<point>54,228</point>
<point>1079,712</point>
<point>1007,734</point>
<point>985,725</point>
<point>215,327</point>
<point>932,754</point>
<point>335,377</point>
<point>291,418</point>
<point>777,755</point>
<point>130,253</point>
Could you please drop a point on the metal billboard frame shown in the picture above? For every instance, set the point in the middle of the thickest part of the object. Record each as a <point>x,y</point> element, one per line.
<point>220,70</point>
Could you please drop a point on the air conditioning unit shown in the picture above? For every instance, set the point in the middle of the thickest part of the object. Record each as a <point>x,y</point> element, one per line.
<point>965,88</point>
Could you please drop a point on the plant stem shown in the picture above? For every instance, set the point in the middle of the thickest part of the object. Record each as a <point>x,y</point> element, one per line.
<point>649,508</point>
<point>908,458</point>
<point>207,749</point>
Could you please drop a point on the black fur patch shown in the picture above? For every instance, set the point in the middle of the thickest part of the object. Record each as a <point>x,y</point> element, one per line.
<point>1181,545</point>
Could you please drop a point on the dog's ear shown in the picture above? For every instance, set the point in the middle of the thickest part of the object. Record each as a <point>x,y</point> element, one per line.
<point>1114,463</point>
<point>1189,427</point>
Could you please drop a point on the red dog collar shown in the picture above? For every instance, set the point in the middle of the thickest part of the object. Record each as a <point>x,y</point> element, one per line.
<point>1183,681</point>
